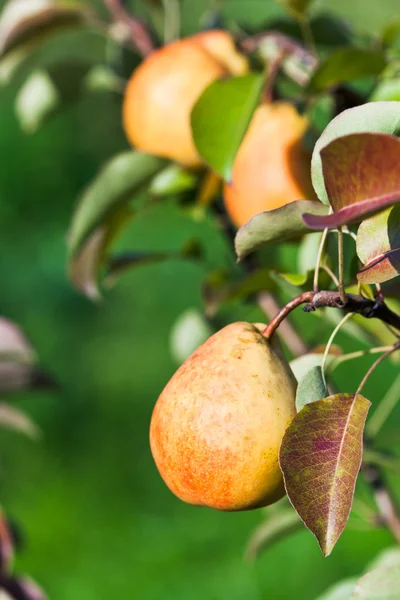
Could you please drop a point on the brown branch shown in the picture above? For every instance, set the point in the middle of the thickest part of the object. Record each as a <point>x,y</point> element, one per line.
<point>269,305</point>
<point>370,309</point>
<point>139,33</point>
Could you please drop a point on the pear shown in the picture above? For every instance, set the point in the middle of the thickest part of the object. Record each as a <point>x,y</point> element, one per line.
<point>217,426</point>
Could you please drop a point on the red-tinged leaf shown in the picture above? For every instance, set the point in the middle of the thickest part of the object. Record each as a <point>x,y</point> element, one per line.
<point>320,458</point>
<point>361,175</point>
<point>381,269</point>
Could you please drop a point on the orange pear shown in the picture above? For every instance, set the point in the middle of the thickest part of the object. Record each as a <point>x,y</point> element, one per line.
<point>272,166</point>
<point>217,427</point>
<point>162,92</point>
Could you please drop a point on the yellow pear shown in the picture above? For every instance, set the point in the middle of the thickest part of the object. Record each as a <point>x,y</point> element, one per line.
<point>217,427</point>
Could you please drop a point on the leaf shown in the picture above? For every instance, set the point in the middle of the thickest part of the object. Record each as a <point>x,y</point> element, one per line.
<point>320,458</point>
<point>339,591</point>
<point>12,418</point>
<point>221,117</point>
<point>173,180</point>
<point>22,20</point>
<point>298,7</point>
<point>84,266</point>
<point>275,226</point>
<point>346,64</point>
<point>311,388</point>
<point>378,246</point>
<point>374,117</point>
<point>46,92</point>
<point>389,558</point>
<point>115,185</point>
<point>361,177</point>
<point>277,526</point>
<point>303,364</point>
<point>189,331</point>
<point>383,584</point>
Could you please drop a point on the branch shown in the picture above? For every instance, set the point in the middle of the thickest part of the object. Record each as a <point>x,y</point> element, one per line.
<point>139,34</point>
<point>370,309</point>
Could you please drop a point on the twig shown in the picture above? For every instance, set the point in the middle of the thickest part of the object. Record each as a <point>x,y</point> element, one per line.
<point>331,340</point>
<point>321,247</point>
<point>139,34</point>
<point>370,309</point>
<point>331,274</point>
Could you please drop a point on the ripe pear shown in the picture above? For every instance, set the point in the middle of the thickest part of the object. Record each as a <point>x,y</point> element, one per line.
<point>162,92</point>
<point>217,427</point>
<point>272,166</point>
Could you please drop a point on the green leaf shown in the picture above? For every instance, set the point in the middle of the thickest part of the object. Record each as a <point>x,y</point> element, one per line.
<point>275,226</point>
<point>374,117</point>
<point>322,450</point>
<point>221,117</point>
<point>312,387</point>
<point>379,584</point>
<point>277,526</point>
<point>115,185</point>
<point>46,92</point>
<point>189,331</point>
<point>84,265</point>
<point>346,64</point>
<point>340,591</point>
<point>378,246</point>
<point>173,180</point>
<point>389,558</point>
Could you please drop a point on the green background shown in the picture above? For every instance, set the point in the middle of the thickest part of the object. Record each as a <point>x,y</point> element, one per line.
<point>99,522</point>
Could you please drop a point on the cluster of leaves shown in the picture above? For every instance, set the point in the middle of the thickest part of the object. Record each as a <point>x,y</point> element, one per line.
<point>19,371</point>
<point>356,153</point>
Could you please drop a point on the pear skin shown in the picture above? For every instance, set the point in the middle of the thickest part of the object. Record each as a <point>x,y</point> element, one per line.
<point>217,426</point>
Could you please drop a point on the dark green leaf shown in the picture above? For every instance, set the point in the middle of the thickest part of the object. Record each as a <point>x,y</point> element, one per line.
<point>274,226</point>
<point>322,450</point>
<point>347,64</point>
<point>221,117</point>
<point>374,117</point>
<point>312,387</point>
<point>114,186</point>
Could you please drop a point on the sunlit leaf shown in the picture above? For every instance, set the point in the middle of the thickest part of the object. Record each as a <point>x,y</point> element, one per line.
<point>374,158</point>
<point>340,591</point>
<point>390,557</point>
<point>189,331</point>
<point>47,91</point>
<point>275,226</point>
<point>303,364</point>
<point>114,186</point>
<point>172,180</point>
<point>374,117</point>
<point>221,117</point>
<point>15,419</point>
<point>312,387</point>
<point>379,584</point>
<point>320,458</point>
<point>347,64</point>
<point>378,246</point>
<point>276,527</point>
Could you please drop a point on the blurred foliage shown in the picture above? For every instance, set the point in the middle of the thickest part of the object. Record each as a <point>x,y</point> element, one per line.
<point>98,521</point>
